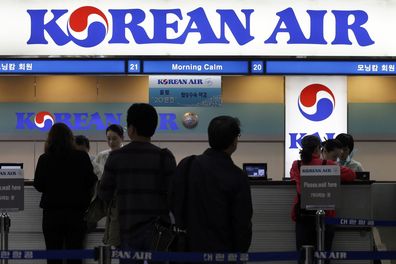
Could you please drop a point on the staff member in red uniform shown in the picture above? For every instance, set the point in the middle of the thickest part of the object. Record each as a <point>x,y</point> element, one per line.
<point>305,224</point>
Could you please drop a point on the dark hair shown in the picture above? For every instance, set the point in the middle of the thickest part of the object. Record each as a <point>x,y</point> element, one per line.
<point>222,131</point>
<point>346,140</point>
<point>116,129</point>
<point>82,140</point>
<point>331,144</point>
<point>309,144</point>
<point>60,139</point>
<point>143,117</point>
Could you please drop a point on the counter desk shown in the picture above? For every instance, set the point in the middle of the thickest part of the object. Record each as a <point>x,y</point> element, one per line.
<point>273,229</point>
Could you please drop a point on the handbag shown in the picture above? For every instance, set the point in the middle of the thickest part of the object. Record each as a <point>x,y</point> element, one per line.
<point>163,236</point>
<point>111,234</point>
<point>96,210</point>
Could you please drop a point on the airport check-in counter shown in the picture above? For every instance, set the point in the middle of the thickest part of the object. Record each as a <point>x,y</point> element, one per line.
<point>273,229</point>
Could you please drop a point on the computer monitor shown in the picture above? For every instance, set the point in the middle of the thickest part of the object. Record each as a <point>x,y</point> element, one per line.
<point>363,175</point>
<point>5,166</point>
<point>256,171</point>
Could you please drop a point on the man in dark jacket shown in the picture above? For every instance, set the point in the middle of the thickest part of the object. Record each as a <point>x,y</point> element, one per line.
<point>139,175</point>
<point>210,195</point>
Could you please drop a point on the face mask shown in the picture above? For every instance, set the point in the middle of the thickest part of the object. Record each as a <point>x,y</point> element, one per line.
<point>348,159</point>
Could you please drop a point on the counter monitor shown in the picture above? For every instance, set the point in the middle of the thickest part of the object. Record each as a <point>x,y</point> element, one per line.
<point>256,171</point>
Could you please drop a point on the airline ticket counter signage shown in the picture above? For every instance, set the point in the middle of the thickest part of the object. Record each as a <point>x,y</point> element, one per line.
<point>320,186</point>
<point>11,190</point>
<point>314,105</point>
<point>198,28</point>
<point>184,91</point>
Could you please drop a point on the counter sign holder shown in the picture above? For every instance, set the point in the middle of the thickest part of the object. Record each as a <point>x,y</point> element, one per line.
<point>320,186</point>
<point>11,198</point>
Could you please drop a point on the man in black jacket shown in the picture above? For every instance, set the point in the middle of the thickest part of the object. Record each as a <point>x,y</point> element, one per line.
<point>210,195</point>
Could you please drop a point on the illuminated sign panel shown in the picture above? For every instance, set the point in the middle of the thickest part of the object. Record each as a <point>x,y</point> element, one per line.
<point>61,66</point>
<point>314,105</point>
<point>185,90</point>
<point>188,28</point>
<point>196,67</point>
<point>331,67</point>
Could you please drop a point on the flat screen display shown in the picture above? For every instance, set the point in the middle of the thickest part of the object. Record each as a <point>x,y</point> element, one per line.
<point>11,166</point>
<point>256,171</point>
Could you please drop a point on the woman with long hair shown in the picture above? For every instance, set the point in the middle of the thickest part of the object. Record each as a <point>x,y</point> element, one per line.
<point>65,178</point>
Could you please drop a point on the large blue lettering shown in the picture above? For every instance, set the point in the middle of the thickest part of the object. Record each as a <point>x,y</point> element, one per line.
<point>288,23</point>
<point>295,138</point>
<point>96,121</point>
<point>167,121</point>
<point>199,23</point>
<point>38,27</point>
<point>291,26</point>
<point>161,25</point>
<point>81,121</point>
<point>119,26</point>
<point>241,33</point>
<point>342,27</point>
<point>112,118</point>
<point>24,120</point>
<point>64,118</point>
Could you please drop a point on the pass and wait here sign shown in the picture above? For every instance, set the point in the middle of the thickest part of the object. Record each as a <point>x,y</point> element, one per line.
<point>320,186</point>
<point>11,189</point>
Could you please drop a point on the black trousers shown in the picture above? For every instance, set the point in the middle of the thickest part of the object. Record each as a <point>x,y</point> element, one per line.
<point>306,234</point>
<point>64,229</point>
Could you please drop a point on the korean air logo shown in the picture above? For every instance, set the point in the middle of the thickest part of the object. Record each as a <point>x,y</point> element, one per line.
<point>95,32</point>
<point>44,120</point>
<point>87,27</point>
<point>316,102</point>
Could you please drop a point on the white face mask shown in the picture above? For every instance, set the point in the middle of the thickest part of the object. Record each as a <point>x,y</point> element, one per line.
<point>348,159</point>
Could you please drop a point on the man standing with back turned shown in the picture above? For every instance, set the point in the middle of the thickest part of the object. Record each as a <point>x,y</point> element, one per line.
<point>216,210</point>
<point>139,175</point>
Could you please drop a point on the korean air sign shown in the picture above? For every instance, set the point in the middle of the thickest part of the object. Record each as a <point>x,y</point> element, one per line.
<point>197,28</point>
<point>313,105</point>
<point>44,120</point>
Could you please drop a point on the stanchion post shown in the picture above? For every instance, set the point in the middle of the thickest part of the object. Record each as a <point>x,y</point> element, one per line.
<point>320,232</point>
<point>104,255</point>
<point>308,252</point>
<point>5,223</point>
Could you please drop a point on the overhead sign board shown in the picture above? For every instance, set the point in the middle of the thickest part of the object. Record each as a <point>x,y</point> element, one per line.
<point>196,67</point>
<point>332,67</point>
<point>185,91</point>
<point>61,66</point>
<point>201,28</point>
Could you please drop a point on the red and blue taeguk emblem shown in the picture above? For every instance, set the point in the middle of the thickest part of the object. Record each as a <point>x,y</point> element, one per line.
<point>44,119</point>
<point>316,102</point>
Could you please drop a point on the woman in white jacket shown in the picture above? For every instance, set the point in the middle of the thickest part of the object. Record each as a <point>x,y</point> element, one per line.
<point>115,137</point>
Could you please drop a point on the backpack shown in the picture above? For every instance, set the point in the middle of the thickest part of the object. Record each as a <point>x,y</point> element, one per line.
<point>302,212</point>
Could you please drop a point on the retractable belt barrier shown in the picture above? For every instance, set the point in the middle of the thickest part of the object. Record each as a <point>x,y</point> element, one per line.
<point>194,257</point>
<point>212,257</point>
<point>358,222</point>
